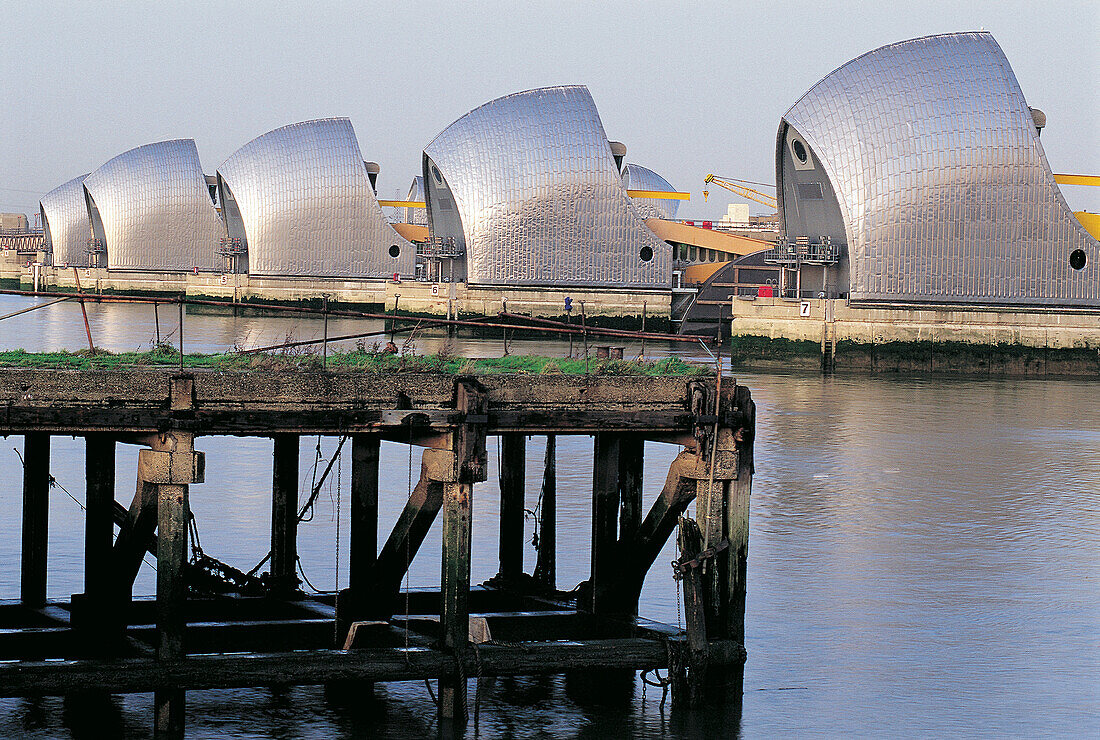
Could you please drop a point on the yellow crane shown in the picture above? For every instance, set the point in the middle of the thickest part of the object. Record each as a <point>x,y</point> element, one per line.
<point>739,187</point>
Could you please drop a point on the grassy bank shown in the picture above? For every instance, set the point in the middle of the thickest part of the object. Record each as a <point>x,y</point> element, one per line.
<point>358,361</point>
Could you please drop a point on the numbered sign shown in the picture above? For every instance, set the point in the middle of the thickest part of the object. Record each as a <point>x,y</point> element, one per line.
<point>804,308</point>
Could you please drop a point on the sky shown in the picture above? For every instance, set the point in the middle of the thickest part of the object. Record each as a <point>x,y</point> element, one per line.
<point>689,87</point>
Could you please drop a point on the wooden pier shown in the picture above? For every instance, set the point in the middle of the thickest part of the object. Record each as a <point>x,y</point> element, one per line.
<point>268,632</point>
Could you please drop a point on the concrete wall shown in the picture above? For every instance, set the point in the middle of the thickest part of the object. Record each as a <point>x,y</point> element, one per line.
<point>778,318</point>
<point>409,295</point>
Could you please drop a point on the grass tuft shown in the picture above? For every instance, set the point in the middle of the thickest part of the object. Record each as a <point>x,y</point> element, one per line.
<point>356,361</point>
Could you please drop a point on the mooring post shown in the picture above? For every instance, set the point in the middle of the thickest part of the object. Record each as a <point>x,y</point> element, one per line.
<point>172,519</point>
<point>364,510</point>
<point>99,530</point>
<point>605,510</point>
<point>284,515</point>
<point>513,460</point>
<point>165,471</point>
<point>737,515</point>
<point>631,463</point>
<point>363,544</point>
<point>546,565</point>
<point>468,464</point>
<point>36,514</point>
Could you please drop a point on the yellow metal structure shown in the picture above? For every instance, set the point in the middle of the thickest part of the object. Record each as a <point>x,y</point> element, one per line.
<point>402,203</point>
<point>731,245</point>
<point>1093,180</point>
<point>659,194</point>
<point>739,187</point>
<point>1091,222</point>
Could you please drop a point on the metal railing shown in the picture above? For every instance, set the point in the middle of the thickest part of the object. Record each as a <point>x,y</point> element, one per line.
<point>232,246</point>
<point>803,251</point>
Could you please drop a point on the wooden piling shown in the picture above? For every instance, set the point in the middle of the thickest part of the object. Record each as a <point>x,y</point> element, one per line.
<point>36,513</point>
<point>173,514</point>
<point>631,462</point>
<point>605,510</point>
<point>364,509</point>
<point>284,514</point>
<point>737,520</point>
<point>513,460</point>
<point>469,465</point>
<point>99,528</point>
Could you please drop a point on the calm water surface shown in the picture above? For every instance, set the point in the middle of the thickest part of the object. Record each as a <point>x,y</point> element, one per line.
<point>923,560</point>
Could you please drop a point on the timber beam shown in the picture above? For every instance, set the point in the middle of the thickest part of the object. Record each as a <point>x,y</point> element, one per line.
<point>130,675</point>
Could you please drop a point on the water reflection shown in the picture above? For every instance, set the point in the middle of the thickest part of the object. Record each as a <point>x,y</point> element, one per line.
<point>923,557</point>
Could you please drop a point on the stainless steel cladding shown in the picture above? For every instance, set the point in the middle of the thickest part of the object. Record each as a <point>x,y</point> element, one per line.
<point>65,221</point>
<point>528,186</point>
<point>152,209</point>
<point>941,187</point>
<point>418,216</point>
<point>301,200</point>
<point>636,177</point>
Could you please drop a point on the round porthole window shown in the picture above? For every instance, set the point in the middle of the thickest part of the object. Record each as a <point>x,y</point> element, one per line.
<point>438,177</point>
<point>799,150</point>
<point>1077,259</point>
<point>394,251</point>
<point>646,254</point>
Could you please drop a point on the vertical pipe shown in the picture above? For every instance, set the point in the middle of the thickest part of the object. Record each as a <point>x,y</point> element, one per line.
<point>605,509</point>
<point>99,528</point>
<point>36,513</point>
<point>364,511</point>
<point>172,520</point>
<point>156,320</point>
<point>284,514</point>
<point>512,485</point>
<point>546,567</point>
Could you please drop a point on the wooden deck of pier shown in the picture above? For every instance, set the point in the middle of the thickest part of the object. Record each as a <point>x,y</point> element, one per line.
<point>372,630</point>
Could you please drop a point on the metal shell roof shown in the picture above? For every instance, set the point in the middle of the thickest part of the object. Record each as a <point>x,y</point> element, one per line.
<point>942,183</point>
<point>156,208</point>
<point>307,206</point>
<point>636,177</point>
<point>65,220</point>
<point>540,198</point>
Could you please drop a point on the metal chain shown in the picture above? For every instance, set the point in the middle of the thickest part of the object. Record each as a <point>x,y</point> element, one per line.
<point>680,569</point>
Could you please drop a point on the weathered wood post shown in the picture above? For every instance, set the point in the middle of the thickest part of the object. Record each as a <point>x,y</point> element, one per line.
<point>167,470</point>
<point>364,512</point>
<point>631,463</point>
<point>36,514</point>
<point>99,530</point>
<point>462,466</point>
<point>605,515</point>
<point>737,511</point>
<point>284,515</point>
<point>513,460</point>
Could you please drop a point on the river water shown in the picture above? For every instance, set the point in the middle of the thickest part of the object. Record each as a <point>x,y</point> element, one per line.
<point>924,556</point>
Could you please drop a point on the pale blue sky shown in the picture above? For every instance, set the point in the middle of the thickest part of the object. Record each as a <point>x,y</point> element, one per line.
<point>690,87</point>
